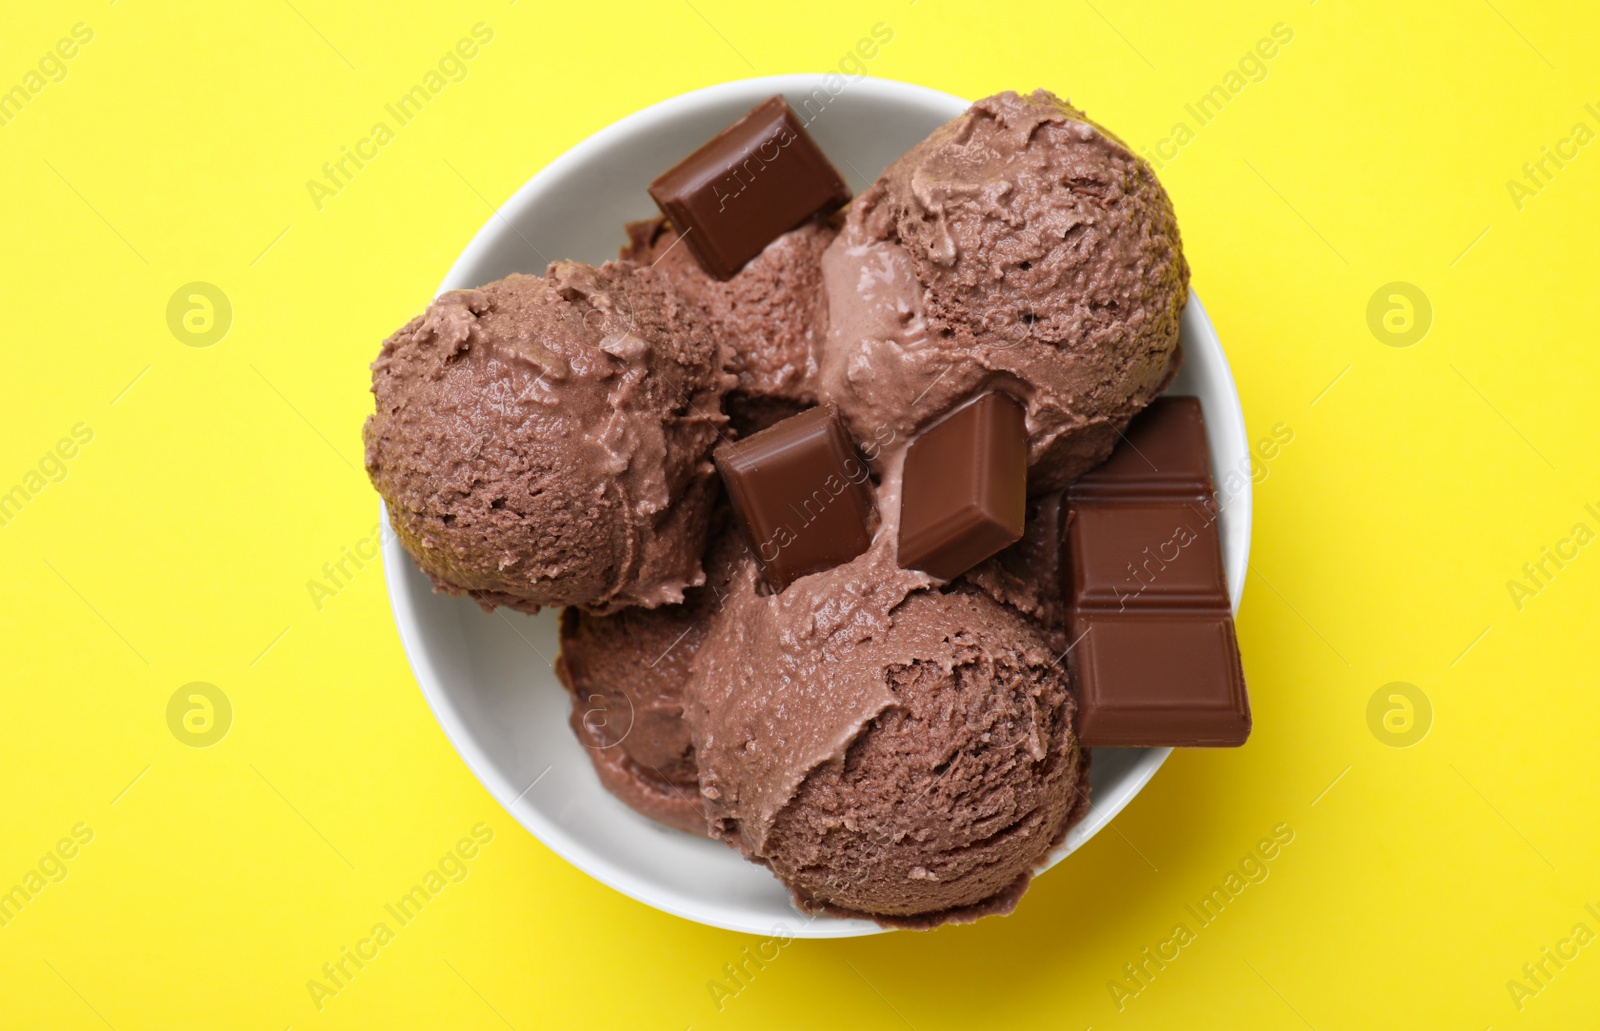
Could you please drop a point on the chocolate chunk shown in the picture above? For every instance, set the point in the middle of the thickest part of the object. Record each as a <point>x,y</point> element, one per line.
<point>754,181</point>
<point>965,491</point>
<point>1154,659</point>
<point>801,493</point>
<point>1163,453</point>
<point>1159,678</point>
<point>1149,552</point>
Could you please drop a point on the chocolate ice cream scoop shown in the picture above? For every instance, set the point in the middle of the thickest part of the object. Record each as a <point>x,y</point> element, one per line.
<point>888,748</point>
<point>1019,247</point>
<point>544,440</point>
<point>955,792</point>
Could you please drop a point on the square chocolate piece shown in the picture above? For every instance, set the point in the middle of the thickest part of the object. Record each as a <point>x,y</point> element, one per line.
<point>1159,679</point>
<point>754,181</point>
<point>802,494</point>
<point>964,495</point>
<point>1151,552</point>
<point>1163,453</point>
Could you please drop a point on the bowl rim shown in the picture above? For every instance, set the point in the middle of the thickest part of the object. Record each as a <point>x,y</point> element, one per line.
<point>408,618</point>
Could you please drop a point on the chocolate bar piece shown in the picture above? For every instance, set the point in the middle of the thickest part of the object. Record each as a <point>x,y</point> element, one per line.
<point>965,490</point>
<point>754,181</point>
<point>801,493</point>
<point>1145,553</point>
<point>1154,660</point>
<point>1163,454</point>
<point>1158,679</point>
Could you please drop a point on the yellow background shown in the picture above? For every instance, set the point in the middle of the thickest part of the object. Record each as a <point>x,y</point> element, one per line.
<point>220,479</point>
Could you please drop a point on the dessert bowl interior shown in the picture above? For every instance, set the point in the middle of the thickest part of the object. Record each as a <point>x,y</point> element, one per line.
<point>487,676</point>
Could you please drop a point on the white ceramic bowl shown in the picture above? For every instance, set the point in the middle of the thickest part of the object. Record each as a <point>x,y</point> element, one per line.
<point>488,677</point>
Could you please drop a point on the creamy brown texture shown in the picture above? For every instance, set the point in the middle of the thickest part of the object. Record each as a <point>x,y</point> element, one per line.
<point>949,799</point>
<point>544,440</point>
<point>1019,247</point>
<point>626,673</point>
<point>887,747</point>
<point>769,317</point>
